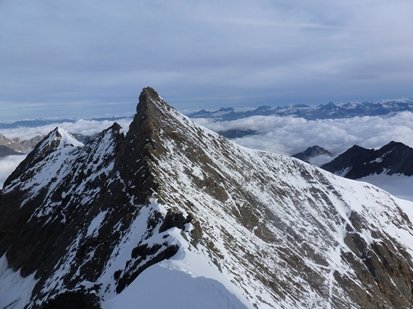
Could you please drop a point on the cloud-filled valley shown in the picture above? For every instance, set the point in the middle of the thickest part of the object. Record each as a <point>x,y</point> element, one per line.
<point>289,135</point>
<point>285,135</point>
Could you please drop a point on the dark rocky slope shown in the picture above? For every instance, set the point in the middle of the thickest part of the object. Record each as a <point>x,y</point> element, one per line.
<point>49,202</point>
<point>358,162</point>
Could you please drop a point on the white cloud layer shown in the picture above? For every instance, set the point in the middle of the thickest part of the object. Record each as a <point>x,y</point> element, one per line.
<point>7,166</point>
<point>289,135</point>
<point>84,127</point>
<point>286,135</point>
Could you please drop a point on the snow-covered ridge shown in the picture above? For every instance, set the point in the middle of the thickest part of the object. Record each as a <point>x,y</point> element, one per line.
<point>50,162</point>
<point>64,138</point>
<point>176,200</point>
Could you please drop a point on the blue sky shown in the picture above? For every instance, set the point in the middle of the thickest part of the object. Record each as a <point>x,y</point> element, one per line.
<point>91,58</point>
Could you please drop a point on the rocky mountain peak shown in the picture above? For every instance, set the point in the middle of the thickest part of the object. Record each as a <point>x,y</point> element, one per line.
<point>394,146</point>
<point>53,143</point>
<point>358,162</point>
<point>150,103</point>
<point>152,113</point>
<point>83,223</point>
<point>115,127</point>
<point>312,152</point>
<point>58,138</point>
<point>149,95</point>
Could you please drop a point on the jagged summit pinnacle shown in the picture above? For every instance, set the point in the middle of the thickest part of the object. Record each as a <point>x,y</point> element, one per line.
<point>116,127</point>
<point>152,113</point>
<point>148,93</point>
<point>149,98</point>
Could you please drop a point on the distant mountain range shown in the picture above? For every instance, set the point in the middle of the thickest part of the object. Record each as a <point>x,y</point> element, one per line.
<point>6,151</point>
<point>323,111</point>
<point>17,146</point>
<point>237,133</point>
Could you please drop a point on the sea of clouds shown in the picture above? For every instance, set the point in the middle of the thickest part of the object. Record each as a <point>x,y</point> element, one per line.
<point>285,135</point>
<point>7,166</point>
<point>289,135</point>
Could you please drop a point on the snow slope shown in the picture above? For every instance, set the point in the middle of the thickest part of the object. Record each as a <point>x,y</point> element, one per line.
<point>188,280</point>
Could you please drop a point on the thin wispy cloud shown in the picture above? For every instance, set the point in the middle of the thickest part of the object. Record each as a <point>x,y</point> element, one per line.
<point>200,53</point>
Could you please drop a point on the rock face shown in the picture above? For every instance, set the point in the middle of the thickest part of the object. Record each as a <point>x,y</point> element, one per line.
<point>6,151</point>
<point>358,162</point>
<point>312,152</point>
<point>86,220</point>
<point>18,145</point>
<point>7,146</point>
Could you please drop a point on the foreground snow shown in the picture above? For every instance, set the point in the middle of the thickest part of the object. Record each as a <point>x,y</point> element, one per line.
<point>186,281</point>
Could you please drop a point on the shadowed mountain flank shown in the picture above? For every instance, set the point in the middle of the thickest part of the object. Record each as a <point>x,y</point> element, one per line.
<point>358,162</point>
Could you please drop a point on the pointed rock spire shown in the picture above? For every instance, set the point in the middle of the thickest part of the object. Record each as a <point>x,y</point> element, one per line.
<point>149,95</point>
